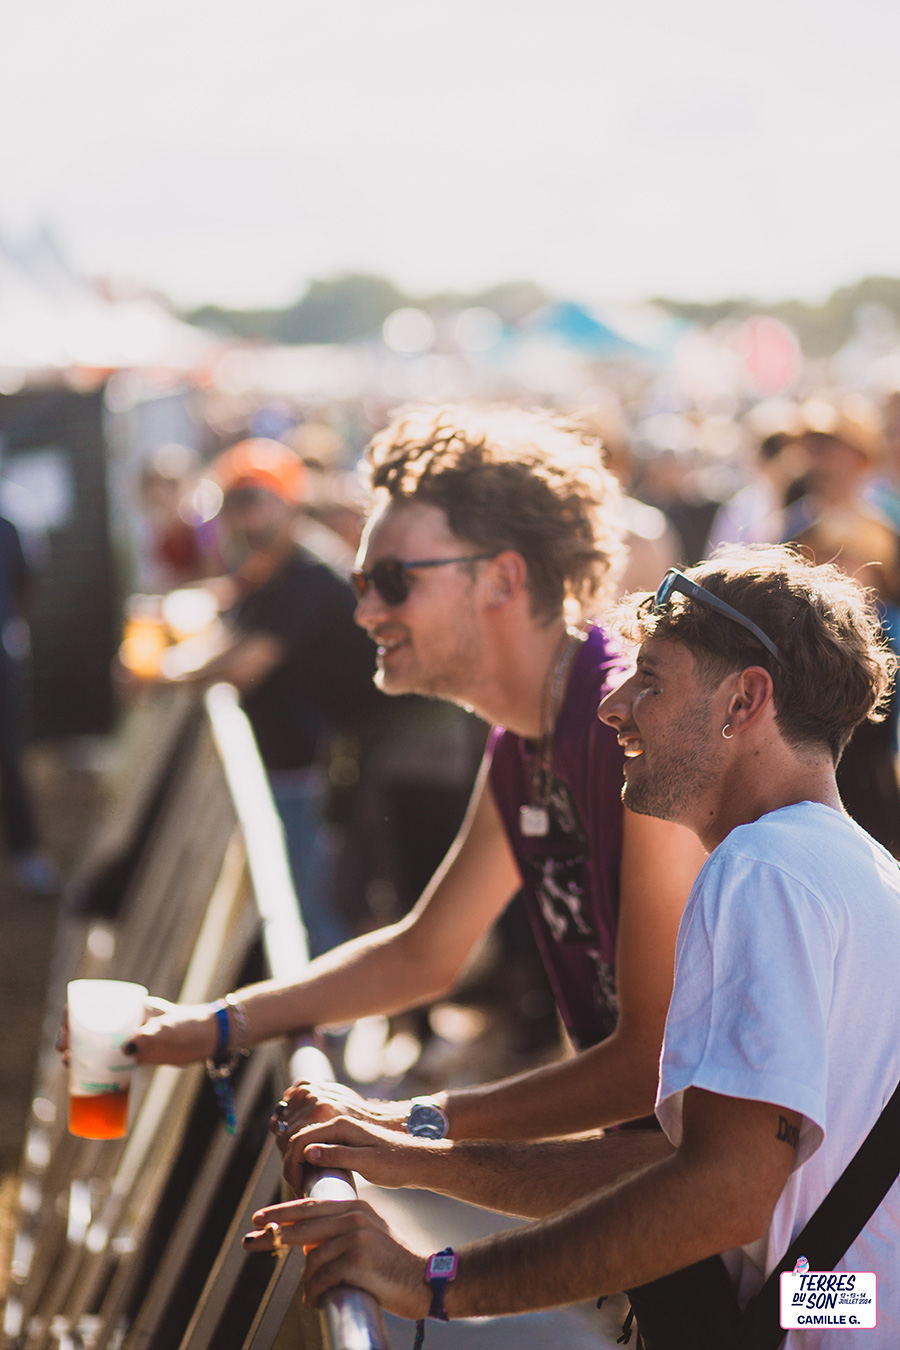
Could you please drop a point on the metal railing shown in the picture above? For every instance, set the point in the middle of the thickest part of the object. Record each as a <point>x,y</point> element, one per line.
<point>350,1318</point>
<point>135,1244</point>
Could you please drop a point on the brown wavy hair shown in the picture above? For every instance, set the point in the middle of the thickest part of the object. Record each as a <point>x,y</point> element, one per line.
<point>837,669</point>
<point>507,478</point>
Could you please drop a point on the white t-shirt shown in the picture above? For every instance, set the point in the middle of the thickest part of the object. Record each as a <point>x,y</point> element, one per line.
<point>787,990</point>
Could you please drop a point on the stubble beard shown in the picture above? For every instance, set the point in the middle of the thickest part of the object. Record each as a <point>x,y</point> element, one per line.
<point>680,771</point>
<point>448,678</point>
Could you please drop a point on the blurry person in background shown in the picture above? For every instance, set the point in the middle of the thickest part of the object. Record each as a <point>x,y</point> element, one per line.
<point>32,869</point>
<point>835,520</point>
<point>755,514</point>
<point>333,512</point>
<point>651,542</point>
<point>884,489</point>
<point>174,548</point>
<point>842,438</point>
<point>290,646</point>
<point>671,477</point>
<point>493,532</point>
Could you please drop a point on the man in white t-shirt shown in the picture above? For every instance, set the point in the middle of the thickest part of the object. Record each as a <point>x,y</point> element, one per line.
<point>781,1045</point>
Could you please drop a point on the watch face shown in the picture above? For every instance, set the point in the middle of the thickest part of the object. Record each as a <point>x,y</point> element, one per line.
<point>442,1266</point>
<point>426,1122</point>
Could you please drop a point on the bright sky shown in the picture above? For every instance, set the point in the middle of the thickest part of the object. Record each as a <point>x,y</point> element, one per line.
<point>229,150</point>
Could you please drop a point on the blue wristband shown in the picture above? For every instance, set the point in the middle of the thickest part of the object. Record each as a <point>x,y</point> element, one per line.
<point>223,1034</point>
<point>220,1068</point>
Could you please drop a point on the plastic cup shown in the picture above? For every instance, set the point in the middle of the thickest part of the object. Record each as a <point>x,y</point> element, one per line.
<point>144,638</point>
<point>103,1016</point>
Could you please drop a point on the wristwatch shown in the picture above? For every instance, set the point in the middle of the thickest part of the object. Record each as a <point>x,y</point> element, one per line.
<point>426,1121</point>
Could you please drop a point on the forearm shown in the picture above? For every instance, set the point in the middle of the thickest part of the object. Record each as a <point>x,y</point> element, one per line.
<point>374,973</point>
<point>527,1179</point>
<point>398,967</point>
<point>371,974</point>
<point>536,1179</point>
<point>412,961</point>
<point>612,1082</point>
<point>717,1192</point>
<point>648,1226</point>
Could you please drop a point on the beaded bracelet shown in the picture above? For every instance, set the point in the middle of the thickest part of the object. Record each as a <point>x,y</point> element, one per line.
<point>241,1026</point>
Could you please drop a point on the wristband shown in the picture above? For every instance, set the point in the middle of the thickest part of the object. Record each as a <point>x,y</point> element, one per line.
<point>223,1033</point>
<point>440,1269</point>
<point>225,1059</point>
<point>231,1033</point>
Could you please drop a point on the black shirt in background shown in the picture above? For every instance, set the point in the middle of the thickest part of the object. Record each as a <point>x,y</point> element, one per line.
<point>324,682</point>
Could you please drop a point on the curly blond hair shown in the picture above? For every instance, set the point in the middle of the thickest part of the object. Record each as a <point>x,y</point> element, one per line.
<point>507,478</point>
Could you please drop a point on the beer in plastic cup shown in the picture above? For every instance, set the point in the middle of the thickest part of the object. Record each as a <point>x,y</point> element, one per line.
<point>103,1016</point>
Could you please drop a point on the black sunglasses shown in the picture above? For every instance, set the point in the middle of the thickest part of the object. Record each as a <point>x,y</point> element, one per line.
<point>389,578</point>
<point>676,581</point>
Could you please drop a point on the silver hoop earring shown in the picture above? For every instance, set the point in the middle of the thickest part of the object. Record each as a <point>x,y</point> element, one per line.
<point>725,732</point>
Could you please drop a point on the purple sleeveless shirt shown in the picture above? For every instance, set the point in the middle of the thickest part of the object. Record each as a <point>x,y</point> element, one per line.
<point>570,877</point>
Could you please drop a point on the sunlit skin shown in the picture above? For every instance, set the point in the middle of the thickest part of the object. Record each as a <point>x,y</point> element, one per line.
<point>685,754</point>
<point>457,634</point>
<point>715,1191</point>
<point>471,631</point>
<point>431,644</point>
<point>696,777</point>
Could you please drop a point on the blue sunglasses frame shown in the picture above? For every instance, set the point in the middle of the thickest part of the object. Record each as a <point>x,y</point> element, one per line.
<point>676,581</point>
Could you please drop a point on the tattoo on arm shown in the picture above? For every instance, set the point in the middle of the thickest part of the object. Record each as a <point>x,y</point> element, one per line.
<point>787,1132</point>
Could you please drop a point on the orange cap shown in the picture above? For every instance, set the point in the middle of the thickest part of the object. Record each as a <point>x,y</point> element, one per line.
<point>260,463</point>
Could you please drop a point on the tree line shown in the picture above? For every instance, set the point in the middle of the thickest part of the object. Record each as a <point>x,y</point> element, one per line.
<point>353,306</point>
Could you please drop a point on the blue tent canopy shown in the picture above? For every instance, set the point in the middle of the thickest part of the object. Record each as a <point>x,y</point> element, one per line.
<point>577,327</point>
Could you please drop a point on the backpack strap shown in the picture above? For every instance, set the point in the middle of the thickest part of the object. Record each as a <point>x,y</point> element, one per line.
<point>835,1225</point>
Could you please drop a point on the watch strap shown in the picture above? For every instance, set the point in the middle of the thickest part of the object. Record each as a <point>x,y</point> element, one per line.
<point>438,1282</point>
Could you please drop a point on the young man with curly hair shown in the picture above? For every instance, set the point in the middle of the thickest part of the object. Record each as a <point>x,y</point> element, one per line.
<point>493,536</point>
<point>781,1045</point>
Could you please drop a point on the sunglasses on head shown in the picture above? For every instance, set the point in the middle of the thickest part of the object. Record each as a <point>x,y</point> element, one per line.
<point>389,575</point>
<point>676,581</point>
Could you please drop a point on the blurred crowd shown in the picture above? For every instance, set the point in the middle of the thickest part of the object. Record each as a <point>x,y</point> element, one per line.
<point>241,540</point>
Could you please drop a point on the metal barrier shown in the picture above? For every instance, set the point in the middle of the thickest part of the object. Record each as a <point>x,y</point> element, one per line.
<point>135,1244</point>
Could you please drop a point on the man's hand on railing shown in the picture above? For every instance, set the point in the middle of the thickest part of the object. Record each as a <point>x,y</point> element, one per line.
<point>311,1103</point>
<point>346,1243</point>
<point>383,1156</point>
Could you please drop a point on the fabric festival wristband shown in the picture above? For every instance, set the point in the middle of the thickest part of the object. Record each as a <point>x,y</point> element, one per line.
<point>221,1066</point>
<point>440,1269</point>
<point>223,1033</point>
